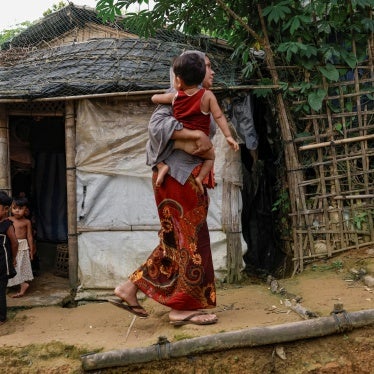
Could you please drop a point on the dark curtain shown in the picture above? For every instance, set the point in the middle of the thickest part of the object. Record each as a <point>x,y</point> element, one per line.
<point>50,197</point>
<point>251,119</point>
<point>49,200</point>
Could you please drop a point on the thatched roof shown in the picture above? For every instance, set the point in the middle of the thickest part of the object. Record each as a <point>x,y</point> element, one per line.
<point>102,65</point>
<point>96,66</point>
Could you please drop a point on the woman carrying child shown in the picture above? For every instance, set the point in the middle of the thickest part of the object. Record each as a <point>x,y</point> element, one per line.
<point>193,106</point>
<point>179,272</point>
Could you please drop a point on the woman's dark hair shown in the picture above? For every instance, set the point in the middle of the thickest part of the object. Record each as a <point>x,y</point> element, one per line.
<point>5,200</point>
<point>190,67</point>
<point>20,201</point>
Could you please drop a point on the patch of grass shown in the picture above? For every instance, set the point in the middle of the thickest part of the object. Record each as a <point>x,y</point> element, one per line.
<point>25,356</point>
<point>178,337</point>
<point>11,314</point>
<point>335,265</point>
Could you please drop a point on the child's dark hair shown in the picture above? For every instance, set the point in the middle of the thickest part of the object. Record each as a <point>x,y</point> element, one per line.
<point>5,200</point>
<point>20,201</point>
<point>190,67</point>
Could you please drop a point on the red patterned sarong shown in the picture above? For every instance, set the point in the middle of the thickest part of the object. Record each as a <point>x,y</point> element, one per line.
<point>179,272</point>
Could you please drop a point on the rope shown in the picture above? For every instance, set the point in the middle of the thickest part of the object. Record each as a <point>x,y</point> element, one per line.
<point>342,319</point>
<point>163,348</point>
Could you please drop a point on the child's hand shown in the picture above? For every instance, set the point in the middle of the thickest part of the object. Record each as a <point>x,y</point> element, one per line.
<point>232,143</point>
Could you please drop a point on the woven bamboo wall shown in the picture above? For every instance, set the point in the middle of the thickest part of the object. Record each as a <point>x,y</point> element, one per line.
<point>335,149</point>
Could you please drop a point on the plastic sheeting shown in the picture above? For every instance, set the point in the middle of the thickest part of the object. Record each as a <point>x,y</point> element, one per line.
<point>117,215</point>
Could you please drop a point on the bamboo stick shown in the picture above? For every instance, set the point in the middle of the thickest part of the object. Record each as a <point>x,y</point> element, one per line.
<point>335,115</point>
<point>336,142</point>
<point>359,245</point>
<point>344,197</point>
<point>133,93</point>
<point>82,229</point>
<point>4,152</point>
<point>31,113</point>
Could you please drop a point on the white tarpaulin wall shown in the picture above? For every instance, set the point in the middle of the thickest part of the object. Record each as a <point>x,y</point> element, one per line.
<point>117,216</point>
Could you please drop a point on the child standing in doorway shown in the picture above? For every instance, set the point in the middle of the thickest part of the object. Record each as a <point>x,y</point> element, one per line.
<point>24,235</point>
<point>8,252</point>
<point>192,106</point>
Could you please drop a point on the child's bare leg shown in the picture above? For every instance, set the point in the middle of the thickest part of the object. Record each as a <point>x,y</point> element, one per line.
<point>205,170</point>
<point>189,147</point>
<point>162,169</point>
<point>23,289</point>
<point>209,156</point>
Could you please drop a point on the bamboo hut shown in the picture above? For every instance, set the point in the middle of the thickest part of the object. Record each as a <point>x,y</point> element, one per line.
<point>80,88</point>
<point>74,108</point>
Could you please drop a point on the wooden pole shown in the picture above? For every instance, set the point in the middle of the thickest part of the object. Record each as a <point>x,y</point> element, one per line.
<point>294,179</point>
<point>232,228</point>
<point>339,322</point>
<point>232,182</point>
<point>4,152</point>
<point>71,186</point>
<point>132,93</point>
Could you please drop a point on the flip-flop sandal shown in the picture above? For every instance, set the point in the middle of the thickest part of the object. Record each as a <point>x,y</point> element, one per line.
<point>188,320</point>
<point>130,308</point>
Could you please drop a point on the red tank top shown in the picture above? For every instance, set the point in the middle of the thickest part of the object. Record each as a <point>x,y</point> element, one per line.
<point>187,110</point>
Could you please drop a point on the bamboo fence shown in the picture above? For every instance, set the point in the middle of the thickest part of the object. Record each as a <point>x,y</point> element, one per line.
<point>329,158</point>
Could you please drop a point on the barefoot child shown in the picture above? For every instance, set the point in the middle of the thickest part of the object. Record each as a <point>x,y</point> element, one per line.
<point>192,106</point>
<point>26,251</point>
<point>8,251</point>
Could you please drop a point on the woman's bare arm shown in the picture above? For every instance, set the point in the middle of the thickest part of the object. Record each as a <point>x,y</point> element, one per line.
<point>11,234</point>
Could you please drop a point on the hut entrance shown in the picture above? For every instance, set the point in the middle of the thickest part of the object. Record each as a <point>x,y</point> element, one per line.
<point>38,171</point>
<point>262,168</point>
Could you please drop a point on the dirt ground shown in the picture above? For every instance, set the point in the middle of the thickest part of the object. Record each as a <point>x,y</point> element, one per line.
<point>52,339</point>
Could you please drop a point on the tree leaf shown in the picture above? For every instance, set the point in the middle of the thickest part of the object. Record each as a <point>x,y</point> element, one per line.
<point>330,72</point>
<point>315,99</point>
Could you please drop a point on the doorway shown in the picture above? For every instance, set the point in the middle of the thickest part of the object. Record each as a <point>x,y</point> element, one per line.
<point>38,171</point>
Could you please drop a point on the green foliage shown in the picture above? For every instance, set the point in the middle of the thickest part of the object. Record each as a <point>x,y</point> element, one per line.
<point>359,219</point>
<point>313,35</point>
<point>263,92</point>
<point>335,265</point>
<point>109,10</point>
<point>283,203</point>
<point>330,72</point>
<point>54,8</point>
<point>315,99</point>
<point>8,34</point>
<point>277,12</point>
<point>283,207</point>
